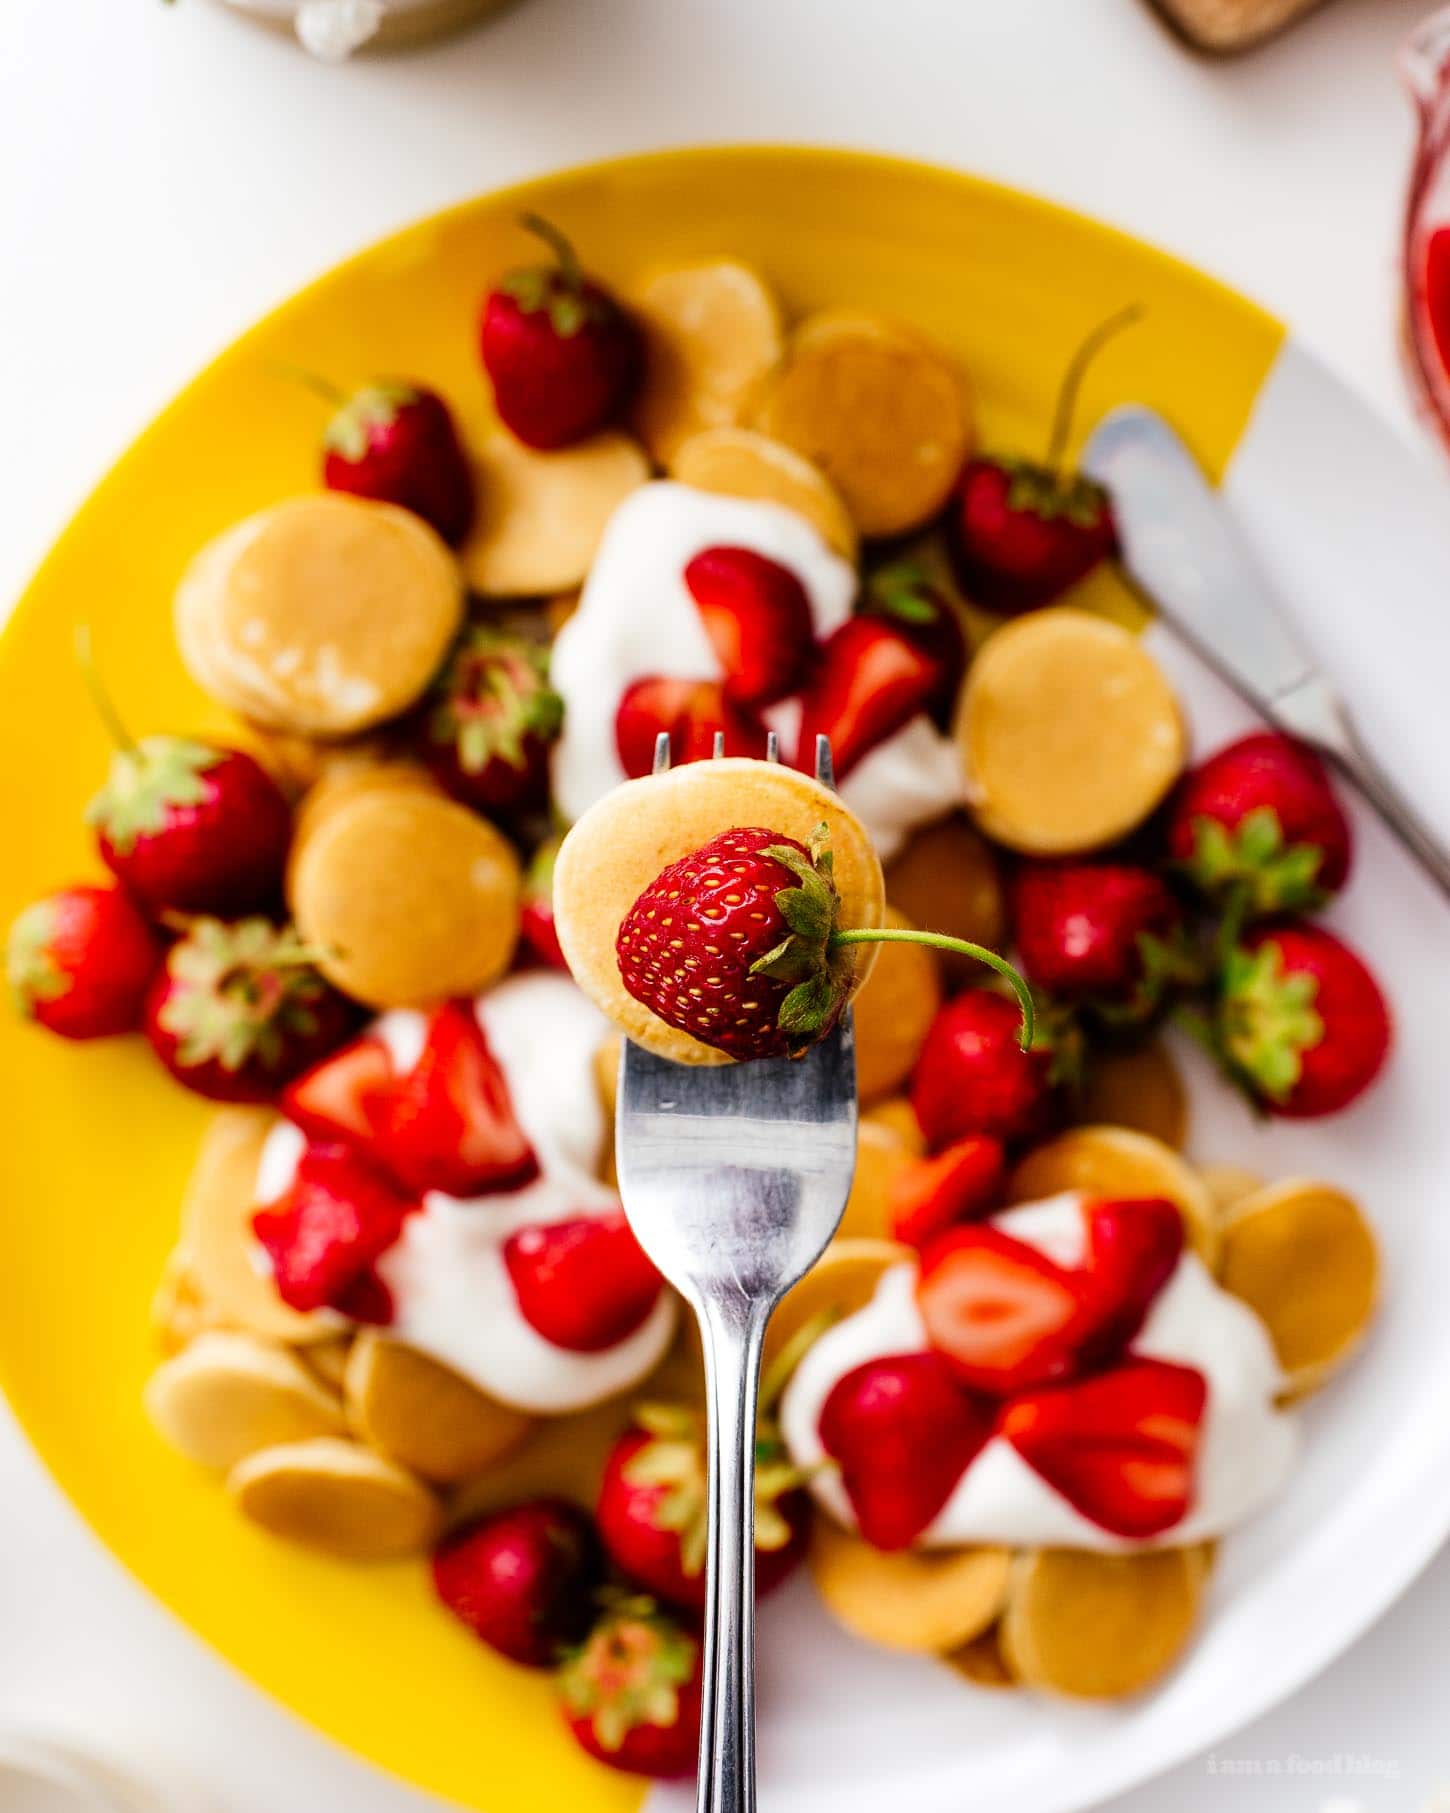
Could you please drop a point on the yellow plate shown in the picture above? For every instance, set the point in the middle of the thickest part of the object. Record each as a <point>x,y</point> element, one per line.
<point>98,1141</point>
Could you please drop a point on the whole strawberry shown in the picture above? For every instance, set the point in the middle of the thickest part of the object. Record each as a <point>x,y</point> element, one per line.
<point>1110,932</point>
<point>757,976</point>
<point>395,442</point>
<point>1301,1023</point>
<point>490,720</point>
<point>973,1075</point>
<point>536,908</point>
<point>193,827</point>
<point>239,1009</point>
<point>654,1503</point>
<point>631,1693</point>
<point>81,961</point>
<point>1021,532</point>
<point>740,945</point>
<point>523,1579</point>
<point>1260,820</point>
<point>563,355</point>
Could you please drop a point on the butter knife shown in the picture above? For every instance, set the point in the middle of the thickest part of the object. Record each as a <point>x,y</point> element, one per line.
<point>1180,546</point>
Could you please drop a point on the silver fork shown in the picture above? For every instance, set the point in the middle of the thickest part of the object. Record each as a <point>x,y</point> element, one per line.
<point>734,1179</point>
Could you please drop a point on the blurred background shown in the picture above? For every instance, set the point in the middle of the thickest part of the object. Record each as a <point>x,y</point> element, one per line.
<point>169,171</point>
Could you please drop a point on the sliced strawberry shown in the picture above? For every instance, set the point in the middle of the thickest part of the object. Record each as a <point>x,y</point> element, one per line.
<point>758,618</point>
<point>1133,1248</point>
<point>902,1432</point>
<point>871,680</point>
<point>449,1124</point>
<point>1120,1447</point>
<point>583,1284</point>
<point>1000,1313</point>
<point>930,1195</point>
<point>323,1237</point>
<point>689,712</point>
<point>340,1098</point>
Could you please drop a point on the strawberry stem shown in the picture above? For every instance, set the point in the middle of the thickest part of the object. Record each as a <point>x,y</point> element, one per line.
<point>1072,381</point>
<point>100,698</point>
<point>960,947</point>
<point>568,259</point>
<point>313,381</point>
<point>778,1373</point>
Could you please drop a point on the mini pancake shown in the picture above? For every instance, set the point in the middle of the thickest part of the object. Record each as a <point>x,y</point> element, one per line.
<point>606,1072</point>
<point>348,779</point>
<point>738,462</point>
<point>623,842</point>
<point>880,1155</point>
<point>229,1394</point>
<point>216,1234</point>
<point>1305,1260</point>
<point>560,608</point>
<point>1227,1185</point>
<point>981,1660</point>
<point>327,1361</point>
<point>897,1116</point>
<point>540,515</point>
<point>713,331</point>
<point>1140,1089</point>
<point>1069,732</point>
<point>321,615</point>
<point>423,1415</point>
<point>1119,1163</point>
<point>894,1011</point>
<point>179,1312</point>
<point>299,763</point>
<point>930,1601</point>
<point>1099,1627</point>
<point>842,1280</point>
<point>883,414</point>
<point>411,897</point>
<point>948,878</point>
<point>338,1497</point>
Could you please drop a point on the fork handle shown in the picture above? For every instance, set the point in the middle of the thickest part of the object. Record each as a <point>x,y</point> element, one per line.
<point>731,1333</point>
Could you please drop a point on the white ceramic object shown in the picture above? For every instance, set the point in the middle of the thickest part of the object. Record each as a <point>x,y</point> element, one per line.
<point>47,1771</point>
<point>333,29</point>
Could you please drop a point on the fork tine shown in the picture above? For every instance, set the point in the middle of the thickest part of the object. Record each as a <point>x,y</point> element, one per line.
<point>825,766</point>
<point>772,746</point>
<point>719,749</point>
<point>662,753</point>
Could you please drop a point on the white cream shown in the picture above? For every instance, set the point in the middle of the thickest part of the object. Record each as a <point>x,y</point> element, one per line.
<point>452,1295</point>
<point>636,618</point>
<point>1246,1446</point>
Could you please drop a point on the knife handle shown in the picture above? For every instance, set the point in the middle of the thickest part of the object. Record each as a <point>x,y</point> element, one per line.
<point>1316,714</point>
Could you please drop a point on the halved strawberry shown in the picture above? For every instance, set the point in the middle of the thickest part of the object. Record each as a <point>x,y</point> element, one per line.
<point>1001,1314</point>
<point>902,1431</point>
<point>689,712</point>
<point>871,680</point>
<point>758,618</point>
<point>1133,1247</point>
<point>930,1195</point>
<point>449,1124</point>
<point>584,1284</point>
<point>339,1098</point>
<point>324,1236</point>
<point>1120,1447</point>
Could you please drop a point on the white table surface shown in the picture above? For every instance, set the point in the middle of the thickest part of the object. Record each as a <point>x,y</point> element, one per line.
<point>166,173</point>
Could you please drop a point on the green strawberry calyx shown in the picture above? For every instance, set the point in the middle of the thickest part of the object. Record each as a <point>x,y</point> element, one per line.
<point>148,781</point>
<point>238,991</point>
<point>1267,1020</point>
<point>559,289</point>
<point>493,696</point>
<point>629,1671</point>
<point>370,409</point>
<point>1252,856</point>
<point>30,963</point>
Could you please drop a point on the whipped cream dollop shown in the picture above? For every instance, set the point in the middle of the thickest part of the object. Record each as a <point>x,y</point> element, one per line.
<point>452,1295</point>
<point>637,618</point>
<point>1246,1446</point>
